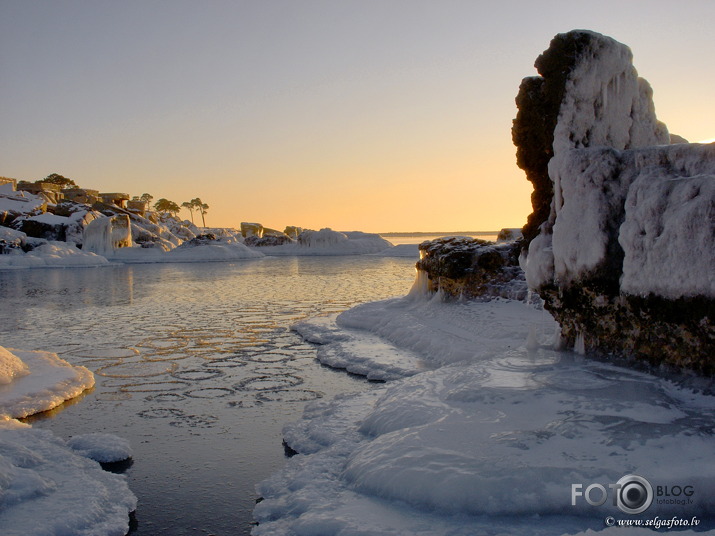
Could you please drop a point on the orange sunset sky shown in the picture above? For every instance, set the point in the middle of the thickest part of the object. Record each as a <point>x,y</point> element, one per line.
<point>357,115</point>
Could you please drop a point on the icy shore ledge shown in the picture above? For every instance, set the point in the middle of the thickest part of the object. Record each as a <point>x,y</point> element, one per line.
<point>488,443</point>
<point>49,486</point>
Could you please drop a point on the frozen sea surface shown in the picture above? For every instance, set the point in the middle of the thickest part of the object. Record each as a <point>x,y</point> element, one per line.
<point>195,366</point>
<point>491,439</point>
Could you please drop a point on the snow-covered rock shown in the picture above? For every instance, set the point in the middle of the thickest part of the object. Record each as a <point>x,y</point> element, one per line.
<point>17,204</point>
<point>11,241</point>
<point>327,242</point>
<point>45,225</point>
<point>630,231</point>
<point>464,267</point>
<point>251,229</point>
<point>52,254</point>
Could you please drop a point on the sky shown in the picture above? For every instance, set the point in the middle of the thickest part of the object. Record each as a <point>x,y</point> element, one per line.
<point>371,115</point>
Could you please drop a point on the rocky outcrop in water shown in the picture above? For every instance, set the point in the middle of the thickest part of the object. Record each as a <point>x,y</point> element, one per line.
<point>462,267</point>
<point>621,241</point>
<point>624,257</point>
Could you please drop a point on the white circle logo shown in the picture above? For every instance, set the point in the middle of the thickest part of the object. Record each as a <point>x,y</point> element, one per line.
<point>634,494</point>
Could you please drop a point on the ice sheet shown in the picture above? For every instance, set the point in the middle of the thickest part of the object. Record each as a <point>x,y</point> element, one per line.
<point>489,443</point>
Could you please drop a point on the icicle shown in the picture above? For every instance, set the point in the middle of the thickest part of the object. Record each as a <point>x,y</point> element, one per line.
<point>103,235</point>
<point>579,345</point>
<point>532,341</point>
<point>420,288</point>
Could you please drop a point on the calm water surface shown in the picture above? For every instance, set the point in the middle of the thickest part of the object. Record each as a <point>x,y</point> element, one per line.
<point>195,365</point>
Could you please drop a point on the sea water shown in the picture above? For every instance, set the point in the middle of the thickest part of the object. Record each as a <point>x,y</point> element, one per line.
<point>195,365</point>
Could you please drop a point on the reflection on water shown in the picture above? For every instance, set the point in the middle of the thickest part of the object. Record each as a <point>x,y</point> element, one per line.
<point>195,365</point>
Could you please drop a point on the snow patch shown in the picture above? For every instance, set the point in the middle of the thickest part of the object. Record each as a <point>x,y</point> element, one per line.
<point>103,448</point>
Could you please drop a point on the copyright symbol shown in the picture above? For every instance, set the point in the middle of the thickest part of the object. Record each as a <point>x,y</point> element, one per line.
<point>610,521</point>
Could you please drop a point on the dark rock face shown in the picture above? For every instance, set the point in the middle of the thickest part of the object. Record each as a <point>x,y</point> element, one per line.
<point>267,240</point>
<point>67,208</point>
<point>8,217</point>
<point>39,229</point>
<point>677,333</point>
<point>201,240</point>
<point>472,268</point>
<point>539,101</point>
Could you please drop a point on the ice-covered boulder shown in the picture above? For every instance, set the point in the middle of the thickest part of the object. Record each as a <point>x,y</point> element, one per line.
<point>251,229</point>
<point>104,235</point>
<point>78,217</point>
<point>45,225</point>
<point>16,204</point>
<point>11,241</point>
<point>588,94</point>
<point>293,231</point>
<point>623,257</point>
<point>326,237</point>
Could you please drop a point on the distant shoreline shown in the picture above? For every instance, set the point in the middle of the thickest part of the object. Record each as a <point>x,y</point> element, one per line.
<point>437,233</point>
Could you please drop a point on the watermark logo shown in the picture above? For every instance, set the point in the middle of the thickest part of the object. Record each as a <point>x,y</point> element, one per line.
<point>632,494</point>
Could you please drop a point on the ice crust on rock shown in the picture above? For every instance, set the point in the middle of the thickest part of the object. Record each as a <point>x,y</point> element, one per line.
<point>668,236</point>
<point>608,140</point>
<point>624,257</point>
<point>605,102</point>
<point>649,207</point>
